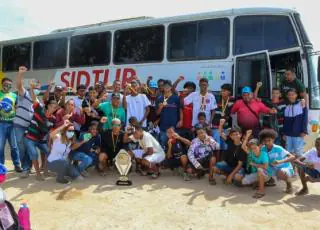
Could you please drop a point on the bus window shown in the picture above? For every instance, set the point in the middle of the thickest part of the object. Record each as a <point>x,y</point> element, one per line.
<point>256,33</point>
<point>139,45</point>
<point>302,30</point>
<point>14,56</point>
<point>50,53</point>
<point>90,49</point>
<point>206,39</point>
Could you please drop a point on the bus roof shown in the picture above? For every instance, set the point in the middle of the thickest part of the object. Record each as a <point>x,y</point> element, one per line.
<point>147,21</point>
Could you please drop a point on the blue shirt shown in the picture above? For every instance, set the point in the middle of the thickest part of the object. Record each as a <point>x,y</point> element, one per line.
<point>93,143</point>
<point>170,114</point>
<point>277,153</point>
<point>261,159</point>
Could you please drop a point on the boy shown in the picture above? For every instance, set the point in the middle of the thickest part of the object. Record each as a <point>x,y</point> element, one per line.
<point>202,121</point>
<point>201,153</point>
<point>224,105</point>
<point>309,164</point>
<point>279,158</point>
<point>258,165</point>
<point>295,123</point>
<point>234,157</point>
<point>176,152</point>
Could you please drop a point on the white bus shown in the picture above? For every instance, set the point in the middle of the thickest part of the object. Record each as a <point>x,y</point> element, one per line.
<point>238,46</point>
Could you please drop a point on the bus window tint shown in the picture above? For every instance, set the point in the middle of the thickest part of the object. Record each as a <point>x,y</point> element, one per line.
<point>90,49</point>
<point>256,33</point>
<point>206,39</point>
<point>14,56</point>
<point>50,53</point>
<point>140,45</point>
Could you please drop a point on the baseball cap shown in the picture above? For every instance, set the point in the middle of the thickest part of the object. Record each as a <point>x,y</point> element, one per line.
<point>153,84</point>
<point>59,87</point>
<point>167,83</point>
<point>115,95</point>
<point>253,142</point>
<point>246,89</point>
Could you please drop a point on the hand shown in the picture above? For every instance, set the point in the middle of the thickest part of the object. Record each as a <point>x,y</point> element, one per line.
<point>259,84</point>
<point>222,122</point>
<point>22,69</point>
<point>67,117</point>
<point>181,78</point>
<point>303,103</point>
<point>229,180</point>
<point>169,143</point>
<point>66,123</point>
<point>249,133</point>
<point>176,136</point>
<point>303,135</point>
<point>87,109</point>
<point>274,163</point>
<point>103,120</point>
<point>179,125</point>
<point>273,111</point>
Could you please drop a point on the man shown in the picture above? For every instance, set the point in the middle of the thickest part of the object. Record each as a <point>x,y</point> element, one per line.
<point>201,154</point>
<point>291,82</point>
<point>309,163</point>
<point>69,113</point>
<point>21,122</point>
<point>116,90</point>
<point>111,111</point>
<point>100,88</point>
<point>202,101</point>
<point>90,112</point>
<point>248,111</point>
<point>153,153</point>
<point>7,113</point>
<point>169,110</point>
<point>58,95</point>
<point>188,88</point>
<point>81,94</point>
<point>137,104</point>
<point>112,142</point>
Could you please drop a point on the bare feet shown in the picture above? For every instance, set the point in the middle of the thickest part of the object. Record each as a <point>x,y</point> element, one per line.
<point>302,192</point>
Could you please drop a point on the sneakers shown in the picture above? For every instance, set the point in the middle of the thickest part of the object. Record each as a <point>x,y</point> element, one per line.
<point>24,175</point>
<point>85,174</point>
<point>18,169</point>
<point>79,178</point>
<point>65,181</point>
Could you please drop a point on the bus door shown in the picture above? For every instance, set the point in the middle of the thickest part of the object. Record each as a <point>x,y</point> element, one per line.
<point>251,68</point>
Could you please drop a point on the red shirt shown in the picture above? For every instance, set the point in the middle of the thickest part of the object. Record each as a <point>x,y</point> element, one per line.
<point>76,117</point>
<point>187,114</point>
<point>246,119</point>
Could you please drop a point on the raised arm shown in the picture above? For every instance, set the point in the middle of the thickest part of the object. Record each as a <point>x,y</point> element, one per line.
<point>245,141</point>
<point>175,84</point>
<point>47,93</point>
<point>183,140</point>
<point>20,78</point>
<point>55,132</point>
<point>221,131</point>
<point>32,94</point>
<point>256,91</point>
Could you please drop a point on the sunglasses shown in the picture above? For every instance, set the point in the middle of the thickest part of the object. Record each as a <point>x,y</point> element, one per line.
<point>7,85</point>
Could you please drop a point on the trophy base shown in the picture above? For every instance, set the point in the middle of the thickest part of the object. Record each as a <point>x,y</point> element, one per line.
<point>124,181</point>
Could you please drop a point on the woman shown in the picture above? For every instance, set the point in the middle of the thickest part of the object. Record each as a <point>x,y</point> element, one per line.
<point>63,141</point>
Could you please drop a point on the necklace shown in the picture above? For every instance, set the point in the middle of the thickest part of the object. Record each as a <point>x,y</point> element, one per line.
<point>165,100</point>
<point>114,144</point>
<point>224,106</point>
<point>114,113</point>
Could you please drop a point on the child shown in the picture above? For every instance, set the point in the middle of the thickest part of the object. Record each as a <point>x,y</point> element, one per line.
<point>201,154</point>
<point>224,105</point>
<point>309,164</point>
<point>258,165</point>
<point>176,152</point>
<point>202,121</point>
<point>279,158</point>
<point>234,157</point>
<point>295,124</point>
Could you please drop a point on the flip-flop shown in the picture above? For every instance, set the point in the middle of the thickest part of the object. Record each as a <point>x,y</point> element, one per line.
<point>270,183</point>
<point>258,195</point>
<point>155,175</point>
<point>212,181</point>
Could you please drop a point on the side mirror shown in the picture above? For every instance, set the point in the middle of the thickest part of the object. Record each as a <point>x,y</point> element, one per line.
<point>318,69</point>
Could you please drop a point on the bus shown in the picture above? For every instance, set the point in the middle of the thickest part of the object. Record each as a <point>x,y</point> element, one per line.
<point>238,46</point>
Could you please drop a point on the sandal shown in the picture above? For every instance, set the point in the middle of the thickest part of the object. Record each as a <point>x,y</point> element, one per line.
<point>288,190</point>
<point>302,192</point>
<point>212,181</point>
<point>270,183</point>
<point>255,186</point>
<point>103,173</point>
<point>155,175</point>
<point>258,195</point>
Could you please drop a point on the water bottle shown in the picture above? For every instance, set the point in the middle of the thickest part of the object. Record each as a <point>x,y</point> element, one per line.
<point>222,76</point>
<point>24,216</point>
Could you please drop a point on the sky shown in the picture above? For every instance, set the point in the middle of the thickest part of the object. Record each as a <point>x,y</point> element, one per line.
<point>23,18</point>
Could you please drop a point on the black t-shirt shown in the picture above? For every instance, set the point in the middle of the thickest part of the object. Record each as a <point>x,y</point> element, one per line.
<point>107,143</point>
<point>234,154</point>
<point>177,149</point>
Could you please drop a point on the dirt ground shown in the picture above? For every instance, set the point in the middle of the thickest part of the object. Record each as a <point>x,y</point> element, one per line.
<point>165,203</point>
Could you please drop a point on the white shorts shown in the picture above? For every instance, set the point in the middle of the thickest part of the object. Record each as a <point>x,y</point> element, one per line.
<point>253,177</point>
<point>156,158</point>
<point>138,153</point>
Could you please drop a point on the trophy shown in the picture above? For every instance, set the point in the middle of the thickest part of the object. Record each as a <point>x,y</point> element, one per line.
<point>123,164</point>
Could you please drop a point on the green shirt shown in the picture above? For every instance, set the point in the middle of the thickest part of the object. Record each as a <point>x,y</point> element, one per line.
<point>263,158</point>
<point>7,106</point>
<point>295,84</point>
<point>111,113</point>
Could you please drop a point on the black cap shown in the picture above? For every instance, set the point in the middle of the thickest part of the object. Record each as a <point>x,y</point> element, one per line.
<point>82,86</point>
<point>167,82</point>
<point>115,95</point>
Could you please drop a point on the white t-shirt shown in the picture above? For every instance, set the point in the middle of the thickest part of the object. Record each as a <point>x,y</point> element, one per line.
<point>59,150</point>
<point>313,158</point>
<point>201,103</point>
<point>136,107</point>
<point>148,141</point>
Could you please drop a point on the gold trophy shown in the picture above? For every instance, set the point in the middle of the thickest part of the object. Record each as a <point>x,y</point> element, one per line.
<point>123,164</point>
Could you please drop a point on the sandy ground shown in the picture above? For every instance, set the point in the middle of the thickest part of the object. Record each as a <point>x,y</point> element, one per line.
<point>165,203</point>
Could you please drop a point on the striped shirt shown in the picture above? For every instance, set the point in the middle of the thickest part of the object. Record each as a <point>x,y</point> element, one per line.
<point>38,128</point>
<point>24,111</point>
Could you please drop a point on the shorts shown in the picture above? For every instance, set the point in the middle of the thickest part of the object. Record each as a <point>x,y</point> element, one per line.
<point>172,163</point>
<point>138,153</point>
<point>204,162</point>
<point>218,139</point>
<point>155,158</point>
<point>295,145</point>
<point>286,170</point>
<point>311,172</point>
<point>33,146</point>
<point>253,177</point>
<point>224,167</point>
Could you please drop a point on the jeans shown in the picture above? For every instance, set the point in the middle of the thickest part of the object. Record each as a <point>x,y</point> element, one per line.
<point>163,139</point>
<point>24,157</point>
<point>32,146</point>
<point>85,160</point>
<point>7,132</point>
<point>63,168</point>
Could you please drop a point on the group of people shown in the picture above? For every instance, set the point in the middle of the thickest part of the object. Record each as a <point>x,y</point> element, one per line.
<point>249,141</point>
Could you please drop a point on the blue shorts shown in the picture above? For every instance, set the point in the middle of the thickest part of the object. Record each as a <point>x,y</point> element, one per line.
<point>224,167</point>
<point>219,140</point>
<point>32,146</point>
<point>311,172</point>
<point>295,145</point>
